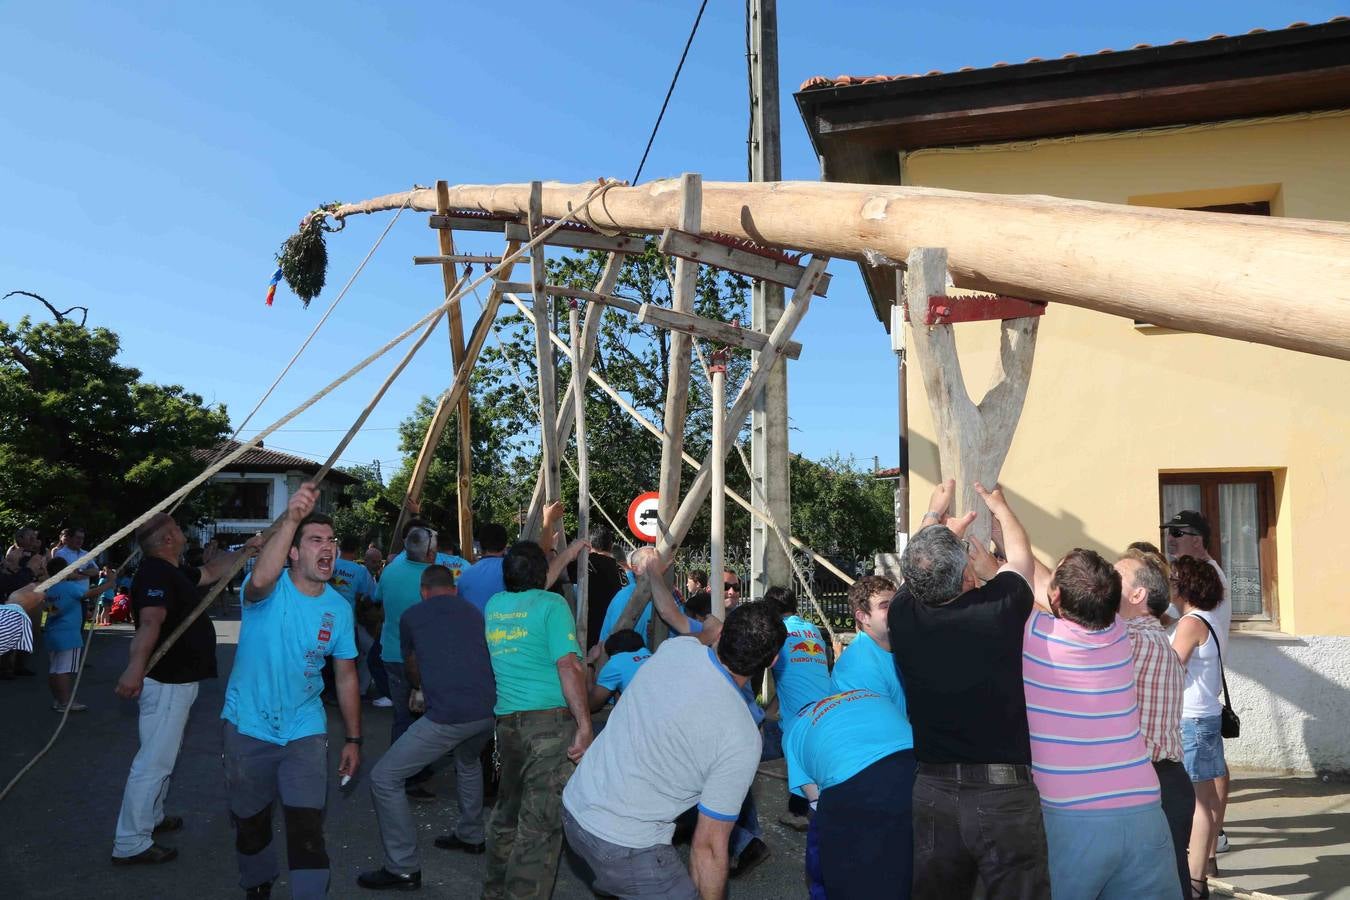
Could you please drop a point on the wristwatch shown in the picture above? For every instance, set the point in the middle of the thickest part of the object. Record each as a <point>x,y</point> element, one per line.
<point>355,740</point>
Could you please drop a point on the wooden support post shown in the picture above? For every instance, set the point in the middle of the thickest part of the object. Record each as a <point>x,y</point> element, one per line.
<point>543,348</point>
<point>719,480</point>
<point>464,471</point>
<point>448,403</point>
<point>583,467</point>
<point>677,385</point>
<point>973,441</point>
<point>678,526</point>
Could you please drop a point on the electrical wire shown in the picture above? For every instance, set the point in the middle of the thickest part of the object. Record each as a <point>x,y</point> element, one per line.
<point>671,90</point>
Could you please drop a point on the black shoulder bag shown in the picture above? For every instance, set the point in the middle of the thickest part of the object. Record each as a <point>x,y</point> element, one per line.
<point>1230,726</point>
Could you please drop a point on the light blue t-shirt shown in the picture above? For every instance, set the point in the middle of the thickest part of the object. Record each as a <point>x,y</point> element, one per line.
<point>618,673</point>
<point>62,629</point>
<point>838,736</point>
<point>399,588</point>
<point>274,688</point>
<point>481,580</point>
<point>864,666</point>
<point>620,602</point>
<point>456,564</point>
<point>801,674</point>
<point>352,579</point>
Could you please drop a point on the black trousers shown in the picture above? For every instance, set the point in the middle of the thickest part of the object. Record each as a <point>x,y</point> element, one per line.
<point>965,828</point>
<point>1178,803</point>
<point>864,830</point>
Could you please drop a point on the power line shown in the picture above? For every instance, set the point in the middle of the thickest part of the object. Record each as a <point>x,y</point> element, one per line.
<point>670,90</point>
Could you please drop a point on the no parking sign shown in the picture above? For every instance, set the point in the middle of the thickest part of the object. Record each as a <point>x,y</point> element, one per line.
<point>642,517</point>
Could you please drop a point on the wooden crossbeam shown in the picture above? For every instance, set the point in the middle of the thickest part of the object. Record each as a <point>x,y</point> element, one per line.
<point>563,237</point>
<point>460,258</point>
<point>632,306</point>
<point>711,330</point>
<point>684,245</point>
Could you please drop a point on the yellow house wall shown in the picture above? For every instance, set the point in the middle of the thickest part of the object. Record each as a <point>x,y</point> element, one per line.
<point>1112,405</point>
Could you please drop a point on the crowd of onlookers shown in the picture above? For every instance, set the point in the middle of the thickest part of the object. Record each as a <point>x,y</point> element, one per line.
<point>1031,729</point>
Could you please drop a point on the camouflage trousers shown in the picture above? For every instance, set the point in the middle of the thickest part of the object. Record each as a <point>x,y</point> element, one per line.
<point>524,836</point>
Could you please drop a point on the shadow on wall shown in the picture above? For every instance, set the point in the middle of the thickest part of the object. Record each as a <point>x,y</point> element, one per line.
<point>1293,695</point>
<point>923,461</point>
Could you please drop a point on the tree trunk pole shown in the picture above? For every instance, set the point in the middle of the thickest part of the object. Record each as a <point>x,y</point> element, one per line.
<point>464,483</point>
<point>719,484</point>
<point>583,469</point>
<point>543,347</point>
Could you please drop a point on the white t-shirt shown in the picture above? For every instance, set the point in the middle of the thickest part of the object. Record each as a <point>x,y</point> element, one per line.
<point>680,736</point>
<point>70,556</point>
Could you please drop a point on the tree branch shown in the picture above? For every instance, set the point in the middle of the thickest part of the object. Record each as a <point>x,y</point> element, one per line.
<point>59,314</point>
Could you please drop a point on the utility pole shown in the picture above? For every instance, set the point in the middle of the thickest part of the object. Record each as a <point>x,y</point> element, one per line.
<point>768,419</point>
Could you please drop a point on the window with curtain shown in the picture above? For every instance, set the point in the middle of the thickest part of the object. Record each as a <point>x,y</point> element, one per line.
<point>1239,507</point>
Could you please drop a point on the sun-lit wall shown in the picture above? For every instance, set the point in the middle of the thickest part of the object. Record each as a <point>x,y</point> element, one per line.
<point>1112,405</point>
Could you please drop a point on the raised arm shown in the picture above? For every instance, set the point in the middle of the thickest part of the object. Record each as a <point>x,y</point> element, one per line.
<point>562,560</point>
<point>1016,544</point>
<point>220,565</point>
<point>272,559</point>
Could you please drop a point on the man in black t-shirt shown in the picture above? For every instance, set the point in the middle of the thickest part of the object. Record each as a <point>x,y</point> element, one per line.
<point>163,594</point>
<point>605,581</point>
<point>956,632</point>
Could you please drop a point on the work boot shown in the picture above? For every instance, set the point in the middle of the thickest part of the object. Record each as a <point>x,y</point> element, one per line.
<point>152,855</point>
<point>167,824</point>
<point>384,880</point>
<point>455,842</point>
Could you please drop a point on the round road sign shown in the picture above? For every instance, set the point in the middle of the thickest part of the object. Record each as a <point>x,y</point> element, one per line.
<point>642,519</point>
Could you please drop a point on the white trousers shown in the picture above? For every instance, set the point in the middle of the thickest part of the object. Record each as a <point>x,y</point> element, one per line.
<point>164,715</point>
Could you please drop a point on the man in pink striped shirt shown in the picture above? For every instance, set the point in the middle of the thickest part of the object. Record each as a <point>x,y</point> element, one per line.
<point>1104,823</point>
<point>1159,679</point>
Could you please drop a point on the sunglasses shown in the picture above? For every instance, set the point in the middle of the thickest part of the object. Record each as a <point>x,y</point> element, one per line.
<point>1181,532</point>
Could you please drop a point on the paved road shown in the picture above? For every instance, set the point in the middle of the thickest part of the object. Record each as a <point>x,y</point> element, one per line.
<point>56,828</point>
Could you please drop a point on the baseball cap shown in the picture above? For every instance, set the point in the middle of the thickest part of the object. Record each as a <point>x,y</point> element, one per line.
<point>1189,518</point>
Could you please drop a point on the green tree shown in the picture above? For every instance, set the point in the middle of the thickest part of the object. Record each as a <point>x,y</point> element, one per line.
<point>83,439</point>
<point>363,510</point>
<point>839,509</point>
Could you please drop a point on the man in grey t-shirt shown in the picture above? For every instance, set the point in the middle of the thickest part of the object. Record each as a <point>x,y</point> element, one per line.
<point>663,753</point>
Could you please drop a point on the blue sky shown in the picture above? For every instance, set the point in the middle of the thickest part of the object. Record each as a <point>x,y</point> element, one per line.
<point>155,156</point>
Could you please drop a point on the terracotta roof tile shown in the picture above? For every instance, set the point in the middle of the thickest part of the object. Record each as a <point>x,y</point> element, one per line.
<point>264,458</point>
<point>824,81</point>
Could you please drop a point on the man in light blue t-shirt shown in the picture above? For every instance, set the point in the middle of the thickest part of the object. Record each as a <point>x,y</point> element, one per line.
<point>801,674</point>
<point>626,653</point>
<point>276,730</point>
<point>867,663</point>
<point>352,580</point>
<point>851,754</point>
<point>481,580</point>
<point>399,588</point>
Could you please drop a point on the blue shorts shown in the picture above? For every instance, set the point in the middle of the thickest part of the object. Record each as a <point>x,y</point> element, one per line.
<point>1203,748</point>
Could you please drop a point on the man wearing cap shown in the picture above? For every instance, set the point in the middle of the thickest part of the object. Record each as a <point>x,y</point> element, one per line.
<point>1187,534</point>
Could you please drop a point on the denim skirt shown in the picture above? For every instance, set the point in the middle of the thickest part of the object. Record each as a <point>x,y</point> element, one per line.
<point>1203,748</point>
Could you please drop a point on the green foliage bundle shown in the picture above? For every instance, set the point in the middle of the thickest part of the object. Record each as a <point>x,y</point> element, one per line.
<point>304,255</point>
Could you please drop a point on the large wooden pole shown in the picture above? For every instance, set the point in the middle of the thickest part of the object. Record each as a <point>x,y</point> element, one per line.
<point>719,481</point>
<point>1282,282</point>
<point>678,372</point>
<point>548,389</point>
<point>583,467</point>
<point>464,480</point>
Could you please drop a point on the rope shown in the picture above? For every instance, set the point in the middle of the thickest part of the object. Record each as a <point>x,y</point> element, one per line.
<point>671,90</point>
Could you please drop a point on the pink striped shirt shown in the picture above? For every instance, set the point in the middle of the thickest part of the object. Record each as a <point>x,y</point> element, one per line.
<point>1087,751</point>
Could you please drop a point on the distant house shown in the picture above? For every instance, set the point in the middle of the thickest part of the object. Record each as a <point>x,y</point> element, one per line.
<point>254,489</point>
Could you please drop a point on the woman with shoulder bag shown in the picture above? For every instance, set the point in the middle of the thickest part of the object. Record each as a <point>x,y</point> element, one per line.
<point>1197,591</point>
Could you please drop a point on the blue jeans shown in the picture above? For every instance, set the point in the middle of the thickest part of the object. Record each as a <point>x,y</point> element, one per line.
<point>164,712</point>
<point>256,774</point>
<point>747,826</point>
<point>1110,853</point>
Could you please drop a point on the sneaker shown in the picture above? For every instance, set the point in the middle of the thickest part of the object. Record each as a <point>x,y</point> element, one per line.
<point>1221,846</point>
<point>152,855</point>
<point>382,702</point>
<point>74,707</point>
<point>795,822</point>
<point>754,853</point>
<point>384,880</point>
